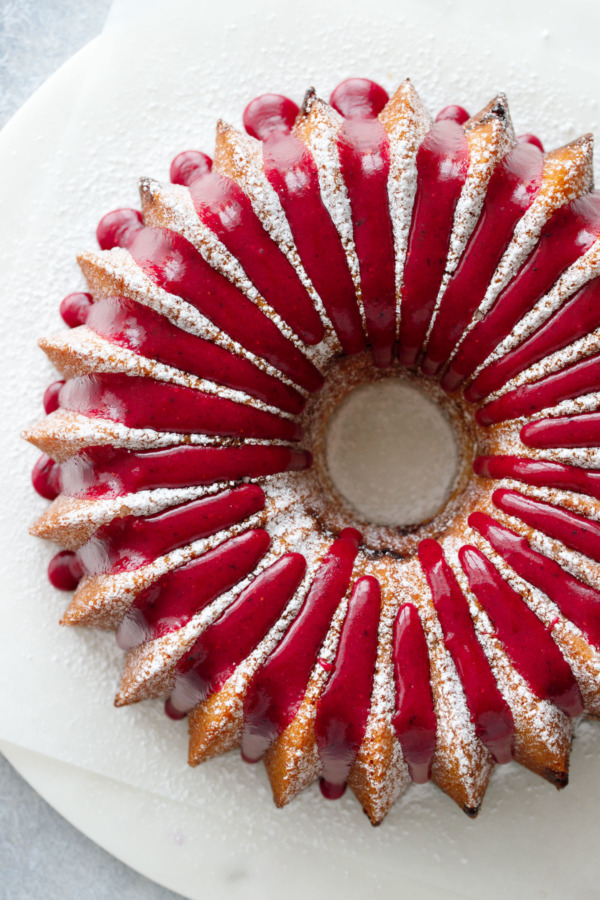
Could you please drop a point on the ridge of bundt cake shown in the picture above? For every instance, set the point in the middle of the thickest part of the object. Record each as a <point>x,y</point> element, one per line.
<point>327,247</point>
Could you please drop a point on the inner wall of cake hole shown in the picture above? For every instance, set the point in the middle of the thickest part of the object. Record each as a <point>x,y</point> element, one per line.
<point>391,453</point>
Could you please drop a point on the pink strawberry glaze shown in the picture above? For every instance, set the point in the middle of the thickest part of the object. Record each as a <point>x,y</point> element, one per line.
<point>74,309</point>
<point>489,711</point>
<point>414,718</point>
<point>526,640</point>
<point>134,541</point>
<point>223,206</point>
<point>442,162</point>
<point>118,227</point>
<point>511,191</point>
<point>359,98</point>
<point>569,232</point>
<point>454,113</point>
<point>343,708</point>
<point>188,166</point>
<point>565,431</point>
<point>178,596</point>
<point>236,633</point>
<point>575,531</point>
<point>174,264</point>
<point>130,324</point>
<point>533,139</point>
<point>268,115</point>
<point>576,600</point>
<point>577,318</point>
<point>278,687</point>
<point>51,397</point>
<point>540,473</point>
<point>112,472</point>
<point>64,571</point>
<point>292,172</point>
<point>574,381</point>
<point>45,477</point>
<point>140,402</point>
<point>332,791</point>
<point>364,152</point>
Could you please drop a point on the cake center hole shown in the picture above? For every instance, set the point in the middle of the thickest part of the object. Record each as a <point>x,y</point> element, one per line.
<point>391,453</point>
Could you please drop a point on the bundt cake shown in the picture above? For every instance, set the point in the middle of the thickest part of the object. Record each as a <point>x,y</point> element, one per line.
<point>327,248</point>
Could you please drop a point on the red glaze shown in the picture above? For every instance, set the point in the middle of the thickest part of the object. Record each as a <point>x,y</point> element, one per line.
<point>332,791</point>
<point>130,324</point>
<point>292,172</point>
<point>172,712</point>
<point>233,636</point>
<point>268,115</point>
<point>74,309</point>
<point>175,265</point>
<point>525,638</point>
<point>574,381</point>
<point>140,402</point>
<point>442,162</point>
<point>45,477</point>
<point>511,191</point>
<point>565,431</point>
<point>278,687</point>
<point>364,152</point>
<point>359,98</point>
<point>540,473</point>
<point>454,113</point>
<point>343,708</point>
<point>188,166</point>
<point>533,139</point>
<point>133,541</point>
<point>51,397</point>
<point>118,227</point>
<point>489,711</point>
<point>578,317</point>
<point>569,232</point>
<point>112,472</point>
<point>414,719</point>
<point>178,596</point>
<point>64,571</point>
<point>226,210</point>
<point>576,600</point>
<point>575,531</point>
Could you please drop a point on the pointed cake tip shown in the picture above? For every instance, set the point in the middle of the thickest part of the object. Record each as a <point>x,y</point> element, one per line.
<point>310,98</point>
<point>586,142</point>
<point>472,811</point>
<point>497,109</point>
<point>500,107</point>
<point>223,127</point>
<point>148,187</point>
<point>559,779</point>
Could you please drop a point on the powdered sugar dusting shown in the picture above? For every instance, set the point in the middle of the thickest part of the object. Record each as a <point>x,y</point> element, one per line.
<point>407,122</point>
<point>240,157</point>
<point>81,352</point>
<point>586,268</point>
<point>318,127</point>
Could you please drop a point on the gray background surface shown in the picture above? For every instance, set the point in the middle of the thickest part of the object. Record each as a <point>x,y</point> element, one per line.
<point>42,857</point>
